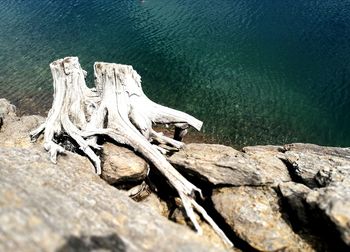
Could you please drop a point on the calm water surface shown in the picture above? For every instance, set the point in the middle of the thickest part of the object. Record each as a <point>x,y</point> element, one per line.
<point>255,71</point>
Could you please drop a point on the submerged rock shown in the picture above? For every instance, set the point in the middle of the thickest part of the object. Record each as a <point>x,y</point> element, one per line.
<point>220,164</point>
<point>255,216</point>
<point>65,207</point>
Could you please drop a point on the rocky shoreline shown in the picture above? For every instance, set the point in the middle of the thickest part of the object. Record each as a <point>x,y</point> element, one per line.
<point>294,197</point>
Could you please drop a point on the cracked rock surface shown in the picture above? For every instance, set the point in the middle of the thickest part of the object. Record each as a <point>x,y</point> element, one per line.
<point>224,165</point>
<point>60,208</point>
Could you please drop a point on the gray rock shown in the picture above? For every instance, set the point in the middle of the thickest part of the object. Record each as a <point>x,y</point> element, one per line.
<point>255,216</point>
<point>15,133</point>
<point>224,165</point>
<point>311,221</point>
<point>333,174</point>
<point>308,160</point>
<point>295,195</point>
<point>270,154</point>
<point>6,108</point>
<point>120,164</point>
<point>333,151</point>
<point>179,216</point>
<point>269,149</point>
<point>65,207</point>
<point>7,111</point>
<point>154,202</point>
<point>334,203</point>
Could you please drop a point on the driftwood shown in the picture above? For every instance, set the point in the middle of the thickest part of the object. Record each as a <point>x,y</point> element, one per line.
<point>73,104</point>
<point>117,108</point>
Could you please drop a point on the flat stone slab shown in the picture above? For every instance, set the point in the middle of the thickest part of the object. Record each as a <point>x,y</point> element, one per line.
<point>221,164</point>
<point>65,207</point>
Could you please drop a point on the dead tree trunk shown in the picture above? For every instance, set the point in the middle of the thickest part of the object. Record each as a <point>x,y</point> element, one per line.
<point>70,109</point>
<point>121,110</point>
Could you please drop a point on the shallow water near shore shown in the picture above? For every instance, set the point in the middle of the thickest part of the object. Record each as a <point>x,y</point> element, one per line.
<point>256,72</point>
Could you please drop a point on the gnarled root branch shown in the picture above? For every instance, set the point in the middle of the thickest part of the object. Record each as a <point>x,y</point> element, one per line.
<point>119,109</point>
<point>68,113</point>
<point>122,97</point>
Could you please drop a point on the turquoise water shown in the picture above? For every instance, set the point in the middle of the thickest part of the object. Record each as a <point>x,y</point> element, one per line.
<point>255,71</point>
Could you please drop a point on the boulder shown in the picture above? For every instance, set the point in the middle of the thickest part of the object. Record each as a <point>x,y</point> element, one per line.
<point>6,108</point>
<point>15,133</point>
<point>295,195</point>
<point>220,164</point>
<point>179,216</point>
<point>307,160</point>
<point>255,216</point>
<point>121,164</point>
<point>330,175</point>
<point>7,111</point>
<point>65,207</point>
<point>333,202</point>
<point>310,218</point>
<point>158,205</point>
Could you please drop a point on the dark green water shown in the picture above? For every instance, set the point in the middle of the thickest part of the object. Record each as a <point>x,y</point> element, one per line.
<point>255,71</point>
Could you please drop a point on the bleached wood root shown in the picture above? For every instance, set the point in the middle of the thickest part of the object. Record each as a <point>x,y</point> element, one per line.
<point>122,97</point>
<point>119,109</point>
<point>160,138</point>
<point>142,111</point>
<point>36,133</point>
<point>68,113</point>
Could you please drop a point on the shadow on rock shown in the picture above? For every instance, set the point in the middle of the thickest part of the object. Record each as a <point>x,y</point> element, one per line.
<point>92,243</point>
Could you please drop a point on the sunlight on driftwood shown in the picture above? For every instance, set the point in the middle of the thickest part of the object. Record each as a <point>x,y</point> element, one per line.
<point>119,109</point>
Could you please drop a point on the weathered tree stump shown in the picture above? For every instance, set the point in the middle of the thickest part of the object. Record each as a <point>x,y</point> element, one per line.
<point>70,110</point>
<point>118,108</point>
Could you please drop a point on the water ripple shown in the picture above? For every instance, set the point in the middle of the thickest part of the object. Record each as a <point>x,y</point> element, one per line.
<point>254,71</point>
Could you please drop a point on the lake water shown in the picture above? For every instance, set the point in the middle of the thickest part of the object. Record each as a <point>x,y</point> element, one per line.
<point>255,71</point>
